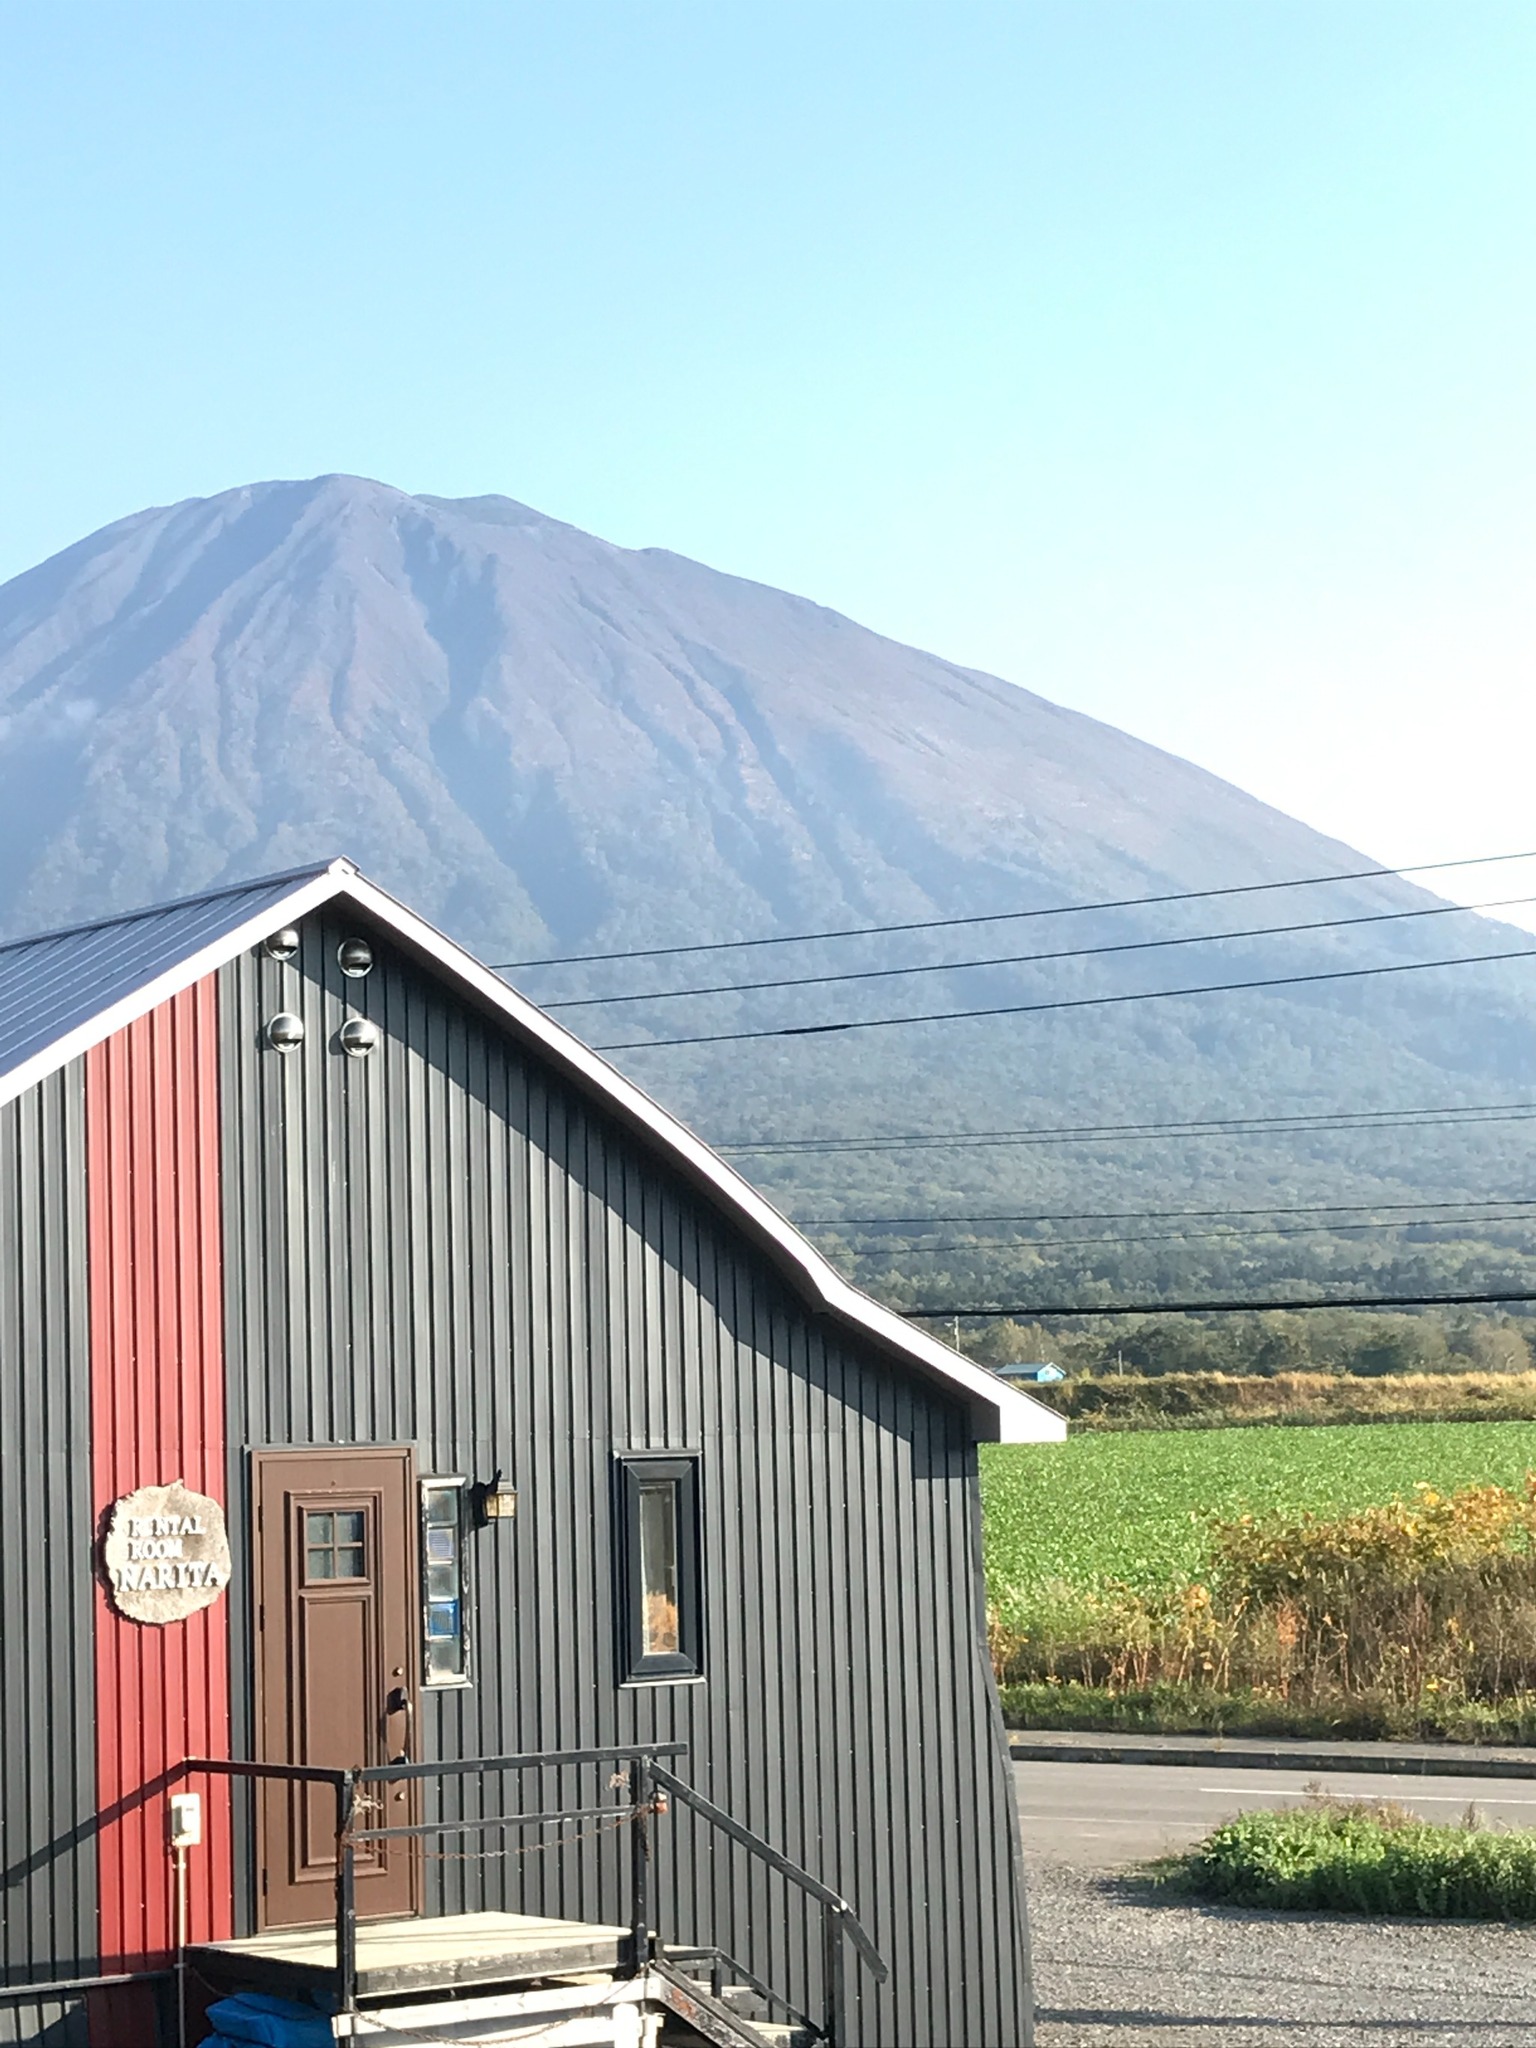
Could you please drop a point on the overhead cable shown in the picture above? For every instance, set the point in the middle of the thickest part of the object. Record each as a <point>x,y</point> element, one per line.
<point>1263,931</point>
<point>1228,1237</point>
<point>948,1311</point>
<point>928,924</point>
<point>1139,1215</point>
<point>1298,1122</point>
<point>1153,995</point>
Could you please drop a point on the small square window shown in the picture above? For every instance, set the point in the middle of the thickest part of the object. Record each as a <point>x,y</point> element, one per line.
<point>335,1545</point>
<point>658,1567</point>
<point>444,1591</point>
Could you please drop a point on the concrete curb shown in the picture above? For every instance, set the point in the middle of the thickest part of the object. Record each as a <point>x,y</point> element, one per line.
<point>1372,1758</point>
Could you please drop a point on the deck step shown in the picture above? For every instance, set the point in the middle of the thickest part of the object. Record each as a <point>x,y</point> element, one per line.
<point>707,2018</point>
<point>680,2033</point>
<point>606,2014</point>
<point>695,2014</point>
<point>417,1957</point>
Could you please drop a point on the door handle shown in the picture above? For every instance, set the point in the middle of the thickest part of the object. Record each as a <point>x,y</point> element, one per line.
<point>400,1702</point>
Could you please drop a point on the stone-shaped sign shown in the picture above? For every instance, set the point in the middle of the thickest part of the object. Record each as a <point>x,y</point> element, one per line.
<point>166,1553</point>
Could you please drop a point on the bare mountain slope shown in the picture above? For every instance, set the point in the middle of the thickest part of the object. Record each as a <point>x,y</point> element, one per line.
<point>552,744</point>
<point>544,738</point>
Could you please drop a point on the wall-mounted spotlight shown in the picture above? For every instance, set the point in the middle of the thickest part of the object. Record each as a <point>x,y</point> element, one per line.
<point>354,957</point>
<point>358,1037</point>
<point>285,1031</point>
<point>282,945</point>
<point>492,1500</point>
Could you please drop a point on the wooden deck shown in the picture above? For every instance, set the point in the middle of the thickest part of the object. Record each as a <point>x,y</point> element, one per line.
<point>399,1956</point>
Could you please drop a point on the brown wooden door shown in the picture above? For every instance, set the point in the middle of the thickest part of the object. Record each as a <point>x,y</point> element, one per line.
<point>337,1625</point>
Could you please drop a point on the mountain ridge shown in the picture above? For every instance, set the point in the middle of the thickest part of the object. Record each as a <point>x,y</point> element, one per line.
<point>111,602</point>
<point>550,744</point>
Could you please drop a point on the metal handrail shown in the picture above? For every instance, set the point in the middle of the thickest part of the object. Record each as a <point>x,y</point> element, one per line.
<point>345,1785</point>
<point>646,1776</point>
<point>242,1767</point>
<point>67,1987</point>
<point>776,1860</point>
<point>382,1774</point>
<point>484,1823</point>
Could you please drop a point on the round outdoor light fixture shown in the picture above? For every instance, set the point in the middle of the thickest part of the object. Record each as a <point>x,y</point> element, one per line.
<point>357,1037</point>
<point>284,944</point>
<point>354,957</point>
<point>285,1031</point>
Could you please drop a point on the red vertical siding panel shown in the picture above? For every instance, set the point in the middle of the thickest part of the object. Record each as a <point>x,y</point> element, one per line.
<point>157,1409</point>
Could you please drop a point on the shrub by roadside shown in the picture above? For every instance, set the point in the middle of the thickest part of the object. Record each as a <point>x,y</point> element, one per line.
<point>1418,1616</point>
<point>1219,1400</point>
<point>1343,1857</point>
<point>1170,1709</point>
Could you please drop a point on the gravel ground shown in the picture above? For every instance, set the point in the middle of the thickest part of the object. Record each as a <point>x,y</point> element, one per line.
<point>1117,1966</point>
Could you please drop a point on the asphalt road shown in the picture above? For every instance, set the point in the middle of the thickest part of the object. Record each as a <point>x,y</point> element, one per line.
<point>1120,1965</point>
<point>1105,1816</point>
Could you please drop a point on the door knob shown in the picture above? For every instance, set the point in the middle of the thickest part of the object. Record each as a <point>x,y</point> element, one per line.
<point>400,1702</point>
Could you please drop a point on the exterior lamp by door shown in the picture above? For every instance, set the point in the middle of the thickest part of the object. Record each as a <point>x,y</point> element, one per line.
<point>493,1500</point>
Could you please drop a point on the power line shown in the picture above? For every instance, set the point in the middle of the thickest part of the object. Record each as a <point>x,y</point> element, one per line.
<point>1230,1237</point>
<point>1263,931</point>
<point>1154,995</point>
<point>947,1311</point>
<point>925,924</point>
<point>1299,1122</point>
<point>1138,1215</point>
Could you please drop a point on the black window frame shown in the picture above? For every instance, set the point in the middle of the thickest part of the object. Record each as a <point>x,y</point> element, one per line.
<point>687,1661</point>
<point>458,1484</point>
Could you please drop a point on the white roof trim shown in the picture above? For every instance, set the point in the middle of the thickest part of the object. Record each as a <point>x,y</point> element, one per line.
<point>1000,1413</point>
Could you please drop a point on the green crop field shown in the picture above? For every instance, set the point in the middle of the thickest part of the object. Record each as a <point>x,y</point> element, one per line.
<point>1133,1506</point>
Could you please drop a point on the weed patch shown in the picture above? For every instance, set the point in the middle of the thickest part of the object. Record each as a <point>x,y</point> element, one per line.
<point>1169,1709</point>
<point>1220,1400</point>
<point>1339,1857</point>
<point>1414,1615</point>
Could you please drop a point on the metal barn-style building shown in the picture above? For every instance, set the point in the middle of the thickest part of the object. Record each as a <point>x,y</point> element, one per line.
<point>464,1558</point>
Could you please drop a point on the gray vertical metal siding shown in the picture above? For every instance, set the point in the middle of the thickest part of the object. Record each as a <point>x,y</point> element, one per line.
<point>45,2022</point>
<point>445,1244</point>
<point>47,1702</point>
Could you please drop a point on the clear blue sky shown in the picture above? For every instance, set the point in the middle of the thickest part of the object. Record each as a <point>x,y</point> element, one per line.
<point>1175,360</point>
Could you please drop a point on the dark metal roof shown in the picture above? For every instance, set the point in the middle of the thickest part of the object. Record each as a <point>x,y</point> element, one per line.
<point>63,992</point>
<point>56,983</point>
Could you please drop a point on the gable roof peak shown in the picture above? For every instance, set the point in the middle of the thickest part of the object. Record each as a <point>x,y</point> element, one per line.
<point>226,891</point>
<point>63,992</point>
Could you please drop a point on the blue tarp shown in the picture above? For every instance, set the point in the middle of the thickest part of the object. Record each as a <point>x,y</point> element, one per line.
<point>256,2017</point>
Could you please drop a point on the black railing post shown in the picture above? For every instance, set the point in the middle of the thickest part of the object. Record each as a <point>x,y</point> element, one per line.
<point>346,1893</point>
<point>833,1964</point>
<point>640,1804</point>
